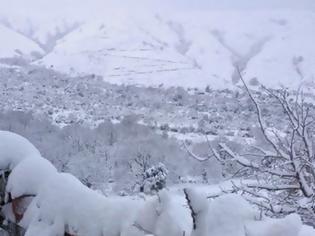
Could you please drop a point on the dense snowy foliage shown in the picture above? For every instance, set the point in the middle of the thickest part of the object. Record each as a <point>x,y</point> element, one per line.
<point>106,156</point>
<point>154,178</point>
<point>61,204</point>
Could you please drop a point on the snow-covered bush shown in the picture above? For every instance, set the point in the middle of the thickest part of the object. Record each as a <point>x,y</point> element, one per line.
<point>86,152</point>
<point>64,204</point>
<point>13,149</point>
<point>29,176</point>
<point>154,179</point>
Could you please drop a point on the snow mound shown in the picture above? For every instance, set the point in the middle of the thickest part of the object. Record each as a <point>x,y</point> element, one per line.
<point>64,203</point>
<point>307,231</point>
<point>61,203</point>
<point>15,148</point>
<point>29,176</point>
<point>288,226</point>
<point>161,215</point>
<point>227,215</point>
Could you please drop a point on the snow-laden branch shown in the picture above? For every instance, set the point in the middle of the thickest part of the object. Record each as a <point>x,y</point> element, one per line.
<point>297,115</point>
<point>260,119</point>
<point>251,164</point>
<point>278,187</point>
<point>286,165</point>
<point>239,159</point>
<point>195,156</point>
<point>213,152</point>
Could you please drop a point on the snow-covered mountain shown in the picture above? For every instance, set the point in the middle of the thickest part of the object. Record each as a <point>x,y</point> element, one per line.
<point>13,44</point>
<point>189,49</point>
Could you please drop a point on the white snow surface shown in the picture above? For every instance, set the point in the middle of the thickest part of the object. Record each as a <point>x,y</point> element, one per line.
<point>64,202</point>
<point>307,231</point>
<point>15,148</point>
<point>288,226</point>
<point>29,176</point>
<point>13,44</point>
<point>230,212</point>
<point>181,48</point>
<point>194,49</point>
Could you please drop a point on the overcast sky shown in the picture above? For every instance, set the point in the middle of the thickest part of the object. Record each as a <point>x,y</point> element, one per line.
<point>62,7</point>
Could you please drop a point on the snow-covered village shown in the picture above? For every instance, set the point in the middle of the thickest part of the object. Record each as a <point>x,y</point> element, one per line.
<point>157,118</point>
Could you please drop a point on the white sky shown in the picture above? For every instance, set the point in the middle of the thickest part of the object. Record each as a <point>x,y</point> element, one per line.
<point>46,12</point>
<point>64,7</point>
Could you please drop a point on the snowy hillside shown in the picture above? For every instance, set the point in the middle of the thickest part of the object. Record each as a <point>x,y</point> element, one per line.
<point>147,118</point>
<point>13,44</point>
<point>189,49</point>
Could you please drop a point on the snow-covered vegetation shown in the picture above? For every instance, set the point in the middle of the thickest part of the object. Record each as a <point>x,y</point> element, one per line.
<point>166,118</point>
<point>284,165</point>
<point>46,202</point>
<point>120,154</point>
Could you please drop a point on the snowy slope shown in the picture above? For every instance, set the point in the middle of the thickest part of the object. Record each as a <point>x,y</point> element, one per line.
<point>289,56</point>
<point>126,52</point>
<point>13,44</point>
<point>189,49</point>
<point>193,49</point>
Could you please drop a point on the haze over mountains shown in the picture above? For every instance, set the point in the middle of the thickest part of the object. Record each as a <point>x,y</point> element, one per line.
<point>163,45</point>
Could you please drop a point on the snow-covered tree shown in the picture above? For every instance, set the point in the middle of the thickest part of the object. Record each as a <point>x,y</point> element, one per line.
<point>283,168</point>
<point>154,178</point>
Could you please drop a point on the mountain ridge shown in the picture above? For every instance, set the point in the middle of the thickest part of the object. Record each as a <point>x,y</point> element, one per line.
<point>198,49</point>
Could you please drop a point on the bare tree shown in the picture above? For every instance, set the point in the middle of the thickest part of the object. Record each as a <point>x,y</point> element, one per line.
<point>139,165</point>
<point>282,175</point>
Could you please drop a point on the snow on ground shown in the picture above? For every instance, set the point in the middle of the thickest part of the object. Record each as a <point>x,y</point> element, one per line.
<point>307,230</point>
<point>188,49</point>
<point>289,226</point>
<point>15,148</point>
<point>288,54</point>
<point>28,176</point>
<point>192,50</point>
<point>13,44</point>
